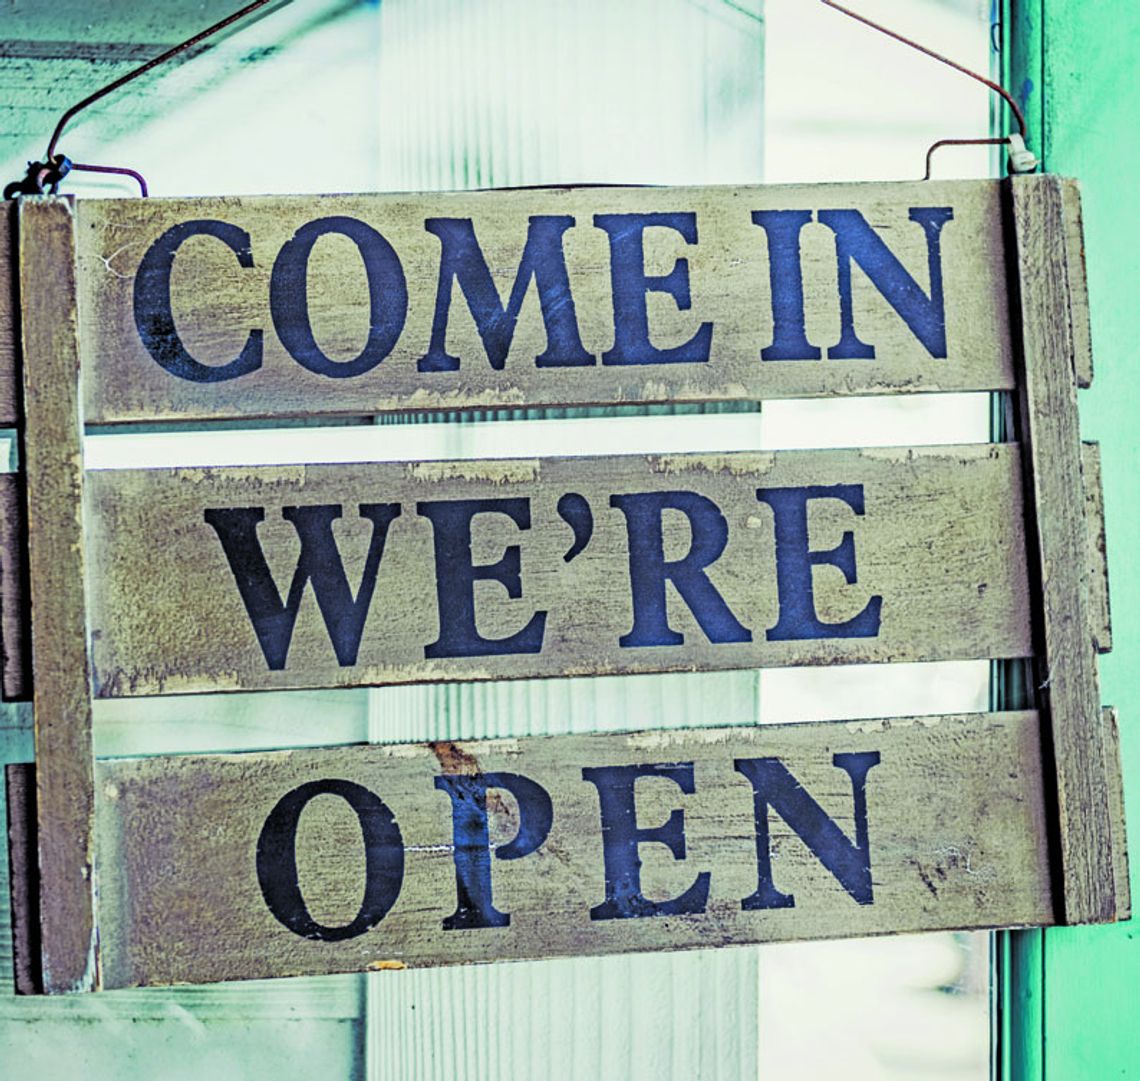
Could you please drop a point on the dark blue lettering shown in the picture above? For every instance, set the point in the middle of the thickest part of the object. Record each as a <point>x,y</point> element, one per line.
<point>794,562</point>
<point>289,297</point>
<point>774,786</point>
<point>789,333</point>
<point>576,513</point>
<point>277,860</point>
<point>155,319</point>
<point>320,561</point>
<point>456,575</point>
<point>542,259</point>
<point>631,284</point>
<point>649,569</point>
<point>621,838</point>
<point>856,241</point>
<point>468,792</point>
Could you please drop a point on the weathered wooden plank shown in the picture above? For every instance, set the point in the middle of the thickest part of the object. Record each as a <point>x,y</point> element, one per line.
<point>53,464</point>
<point>1078,282</point>
<point>23,882</point>
<point>1099,605</point>
<point>9,333</point>
<point>912,824</point>
<point>229,286</point>
<point>1050,432</point>
<point>561,566</point>
<point>15,656</point>
<point>1116,808</point>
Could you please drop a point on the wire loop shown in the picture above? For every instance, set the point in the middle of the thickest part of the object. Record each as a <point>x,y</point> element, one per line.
<point>1021,160</point>
<point>50,172</point>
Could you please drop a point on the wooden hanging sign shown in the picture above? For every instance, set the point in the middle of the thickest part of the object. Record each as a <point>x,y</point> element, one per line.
<point>148,581</point>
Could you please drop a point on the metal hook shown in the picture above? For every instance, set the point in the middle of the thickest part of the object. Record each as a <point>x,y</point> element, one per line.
<point>1021,160</point>
<point>45,177</point>
<point>121,170</point>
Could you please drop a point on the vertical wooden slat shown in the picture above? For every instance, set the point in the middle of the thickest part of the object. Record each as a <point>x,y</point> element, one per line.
<point>14,681</point>
<point>9,347</point>
<point>20,781</point>
<point>53,460</point>
<point>1116,808</point>
<point>1050,432</point>
<point>1078,283</point>
<point>15,675</point>
<point>1101,611</point>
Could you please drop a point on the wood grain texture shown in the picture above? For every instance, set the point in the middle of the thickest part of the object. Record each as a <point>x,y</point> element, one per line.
<point>1099,604</point>
<point>15,654</point>
<point>216,301</point>
<point>941,542</point>
<point>1116,809</point>
<point>1078,281</point>
<point>20,783</point>
<point>954,819</point>
<point>1050,432</point>
<point>9,327</point>
<point>54,476</point>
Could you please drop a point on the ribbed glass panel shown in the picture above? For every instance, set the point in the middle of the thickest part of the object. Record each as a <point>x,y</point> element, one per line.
<point>481,93</point>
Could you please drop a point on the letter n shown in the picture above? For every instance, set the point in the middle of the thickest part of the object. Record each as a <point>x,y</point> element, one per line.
<point>773,786</point>
<point>857,242</point>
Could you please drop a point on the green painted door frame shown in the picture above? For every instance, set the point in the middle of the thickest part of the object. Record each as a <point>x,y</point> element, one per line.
<point>1071,996</point>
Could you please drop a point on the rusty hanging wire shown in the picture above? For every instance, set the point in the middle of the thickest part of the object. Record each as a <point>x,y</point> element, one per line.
<point>49,173</point>
<point>1021,160</point>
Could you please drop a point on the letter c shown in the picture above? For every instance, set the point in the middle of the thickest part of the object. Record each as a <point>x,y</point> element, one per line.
<point>155,320</point>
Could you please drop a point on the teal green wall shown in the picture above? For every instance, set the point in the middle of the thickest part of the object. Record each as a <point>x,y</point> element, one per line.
<point>1076,991</point>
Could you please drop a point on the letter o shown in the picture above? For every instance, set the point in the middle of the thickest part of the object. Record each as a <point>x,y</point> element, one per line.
<point>277,860</point>
<point>289,297</point>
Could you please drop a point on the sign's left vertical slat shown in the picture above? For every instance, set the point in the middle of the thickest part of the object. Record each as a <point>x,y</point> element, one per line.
<point>53,462</point>
<point>15,683</point>
<point>9,350</point>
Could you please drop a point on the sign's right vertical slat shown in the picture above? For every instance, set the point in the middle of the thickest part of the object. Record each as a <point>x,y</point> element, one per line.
<point>1078,292</point>
<point>1116,806</point>
<point>1051,437</point>
<point>1098,548</point>
<point>53,460</point>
